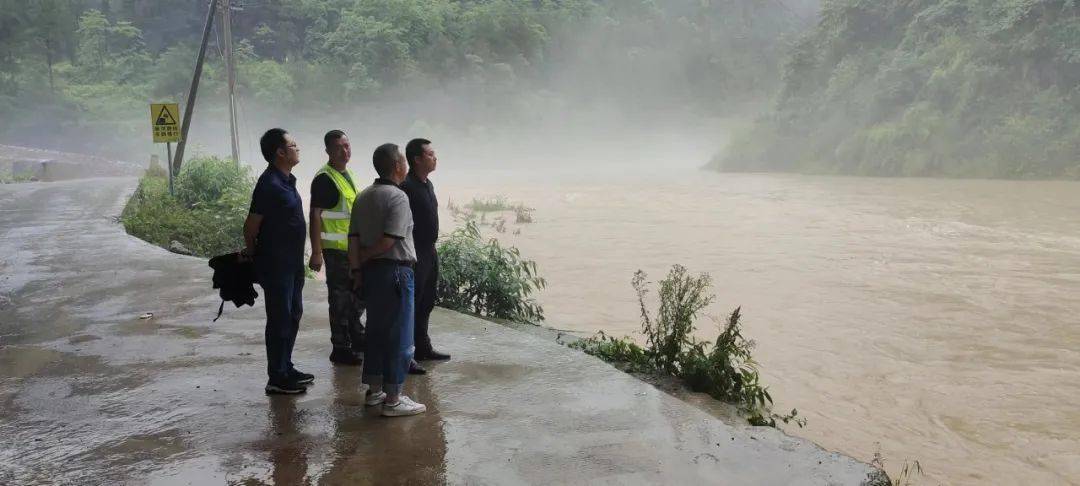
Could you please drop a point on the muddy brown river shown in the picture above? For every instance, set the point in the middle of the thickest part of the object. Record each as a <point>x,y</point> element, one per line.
<point>930,320</point>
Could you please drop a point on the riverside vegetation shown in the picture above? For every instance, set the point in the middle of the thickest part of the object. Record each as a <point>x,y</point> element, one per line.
<point>905,476</point>
<point>724,368</point>
<point>484,278</point>
<point>497,206</point>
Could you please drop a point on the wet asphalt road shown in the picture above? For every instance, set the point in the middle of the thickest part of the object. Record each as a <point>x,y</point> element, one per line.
<point>92,394</point>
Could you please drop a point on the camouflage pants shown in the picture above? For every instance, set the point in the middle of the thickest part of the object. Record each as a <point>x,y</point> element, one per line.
<point>346,329</point>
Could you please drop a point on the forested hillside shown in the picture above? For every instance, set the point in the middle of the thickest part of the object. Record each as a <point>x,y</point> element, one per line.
<point>77,74</point>
<point>984,88</point>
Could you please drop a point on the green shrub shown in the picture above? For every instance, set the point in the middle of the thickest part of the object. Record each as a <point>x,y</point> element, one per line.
<point>724,368</point>
<point>727,371</point>
<point>207,214</point>
<point>213,181</point>
<point>669,332</point>
<point>486,279</point>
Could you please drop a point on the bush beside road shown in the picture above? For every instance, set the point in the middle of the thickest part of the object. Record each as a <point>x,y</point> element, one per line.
<point>206,215</point>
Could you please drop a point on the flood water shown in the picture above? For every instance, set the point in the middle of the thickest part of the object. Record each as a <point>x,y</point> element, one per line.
<point>930,320</point>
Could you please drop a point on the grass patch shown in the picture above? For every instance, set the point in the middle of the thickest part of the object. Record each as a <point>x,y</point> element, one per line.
<point>904,477</point>
<point>493,204</point>
<point>480,207</point>
<point>206,215</point>
<point>486,279</point>
<point>723,368</point>
<point>631,357</point>
<point>477,211</point>
<point>11,177</point>
<point>488,205</point>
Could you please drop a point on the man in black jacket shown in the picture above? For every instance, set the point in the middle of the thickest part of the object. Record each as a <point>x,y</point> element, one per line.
<point>425,210</point>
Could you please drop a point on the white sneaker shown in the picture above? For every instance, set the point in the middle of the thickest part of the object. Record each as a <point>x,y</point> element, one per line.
<point>376,398</point>
<point>403,407</point>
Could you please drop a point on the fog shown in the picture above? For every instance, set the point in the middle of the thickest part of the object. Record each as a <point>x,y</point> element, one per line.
<point>852,174</point>
<point>641,86</point>
<point>592,135</point>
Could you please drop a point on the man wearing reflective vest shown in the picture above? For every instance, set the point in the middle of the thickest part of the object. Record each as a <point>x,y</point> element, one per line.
<point>333,191</point>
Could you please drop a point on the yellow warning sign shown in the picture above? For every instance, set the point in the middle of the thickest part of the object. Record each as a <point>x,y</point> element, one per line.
<point>164,121</point>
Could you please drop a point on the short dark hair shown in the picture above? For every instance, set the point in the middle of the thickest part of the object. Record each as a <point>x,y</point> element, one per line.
<point>415,148</point>
<point>385,158</point>
<point>271,141</point>
<point>332,136</point>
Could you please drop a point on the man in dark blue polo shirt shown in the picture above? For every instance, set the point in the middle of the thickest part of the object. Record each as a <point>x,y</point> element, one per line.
<point>274,236</point>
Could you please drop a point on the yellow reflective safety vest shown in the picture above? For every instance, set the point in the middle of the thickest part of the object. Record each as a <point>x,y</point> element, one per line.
<point>335,221</point>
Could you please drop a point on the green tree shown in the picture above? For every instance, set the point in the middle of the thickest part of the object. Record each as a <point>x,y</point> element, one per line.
<point>109,52</point>
<point>371,51</point>
<point>933,88</point>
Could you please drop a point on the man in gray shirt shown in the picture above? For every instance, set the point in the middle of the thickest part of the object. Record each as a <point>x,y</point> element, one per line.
<point>381,258</point>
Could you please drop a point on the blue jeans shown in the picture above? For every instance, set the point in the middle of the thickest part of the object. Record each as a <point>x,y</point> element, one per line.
<point>388,289</point>
<point>283,293</point>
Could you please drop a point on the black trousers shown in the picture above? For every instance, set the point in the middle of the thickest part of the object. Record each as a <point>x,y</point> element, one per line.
<point>283,295</point>
<point>427,283</point>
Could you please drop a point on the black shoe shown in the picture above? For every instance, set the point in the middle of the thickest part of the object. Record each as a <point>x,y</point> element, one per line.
<point>284,387</point>
<point>300,377</point>
<point>346,357</point>
<point>431,355</point>
<point>416,369</point>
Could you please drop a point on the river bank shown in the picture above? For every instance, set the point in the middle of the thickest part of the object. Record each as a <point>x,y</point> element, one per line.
<point>92,392</point>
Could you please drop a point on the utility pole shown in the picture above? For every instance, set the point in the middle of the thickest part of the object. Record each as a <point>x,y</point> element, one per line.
<point>190,105</point>
<point>230,67</point>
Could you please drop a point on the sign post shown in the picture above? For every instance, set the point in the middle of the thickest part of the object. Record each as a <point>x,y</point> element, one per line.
<point>168,152</point>
<point>166,129</point>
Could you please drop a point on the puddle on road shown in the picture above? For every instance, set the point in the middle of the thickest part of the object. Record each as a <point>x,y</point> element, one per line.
<point>22,361</point>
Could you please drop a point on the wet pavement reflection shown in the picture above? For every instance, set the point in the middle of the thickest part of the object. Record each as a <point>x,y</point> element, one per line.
<point>288,453</point>
<point>371,448</point>
<point>342,441</point>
